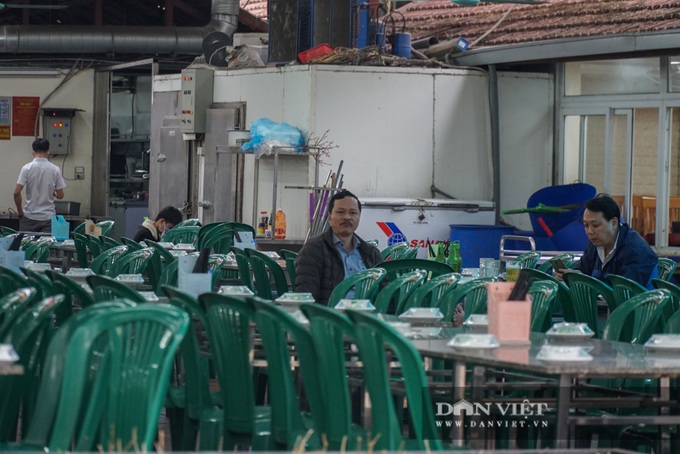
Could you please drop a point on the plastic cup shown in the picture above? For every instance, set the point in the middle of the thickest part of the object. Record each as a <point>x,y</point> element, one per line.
<point>512,271</point>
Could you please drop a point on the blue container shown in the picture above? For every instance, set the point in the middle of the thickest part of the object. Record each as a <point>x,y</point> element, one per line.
<point>555,196</point>
<point>478,241</point>
<point>402,45</point>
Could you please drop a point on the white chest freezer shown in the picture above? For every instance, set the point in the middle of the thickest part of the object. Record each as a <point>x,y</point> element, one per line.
<point>393,220</point>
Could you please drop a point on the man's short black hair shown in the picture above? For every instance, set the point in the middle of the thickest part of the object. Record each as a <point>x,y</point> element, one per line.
<point>341,195</point>
<point>605,204</point>
<point>41,145</point>
<point>171,215</point>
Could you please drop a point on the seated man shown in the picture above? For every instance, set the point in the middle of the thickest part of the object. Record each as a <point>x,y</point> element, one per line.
<point>329,258</point>
<point>167,218</point>
<point>614,247</point>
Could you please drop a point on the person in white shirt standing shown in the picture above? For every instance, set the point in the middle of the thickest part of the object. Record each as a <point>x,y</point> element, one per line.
<point>43,182</point>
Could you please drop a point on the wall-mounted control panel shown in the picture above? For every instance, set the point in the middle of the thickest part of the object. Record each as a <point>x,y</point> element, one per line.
<point>57,128</point>
<point>196,96</point>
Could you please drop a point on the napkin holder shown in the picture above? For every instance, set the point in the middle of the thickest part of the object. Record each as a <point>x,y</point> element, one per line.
<point>509,321</point>
<point>92,229</point>
<point>192,283</point>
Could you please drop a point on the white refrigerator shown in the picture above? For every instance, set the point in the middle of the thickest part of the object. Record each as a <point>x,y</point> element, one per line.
<point>392,220</point>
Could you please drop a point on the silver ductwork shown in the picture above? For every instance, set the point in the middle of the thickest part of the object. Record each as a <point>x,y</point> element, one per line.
<point>118,39</point>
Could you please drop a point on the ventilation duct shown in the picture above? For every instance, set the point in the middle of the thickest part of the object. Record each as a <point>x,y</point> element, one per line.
<point>28,39</point>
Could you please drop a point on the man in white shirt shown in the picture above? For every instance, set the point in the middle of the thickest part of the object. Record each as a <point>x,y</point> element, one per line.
<point>43,182</point>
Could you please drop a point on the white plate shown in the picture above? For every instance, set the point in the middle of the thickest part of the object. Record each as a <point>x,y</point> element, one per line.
<point>7,354</point>
<point>184,247</point>
<point>567,330</point>
<point>149,296</point>
<point>166,244</point>
<point>293,298</point>
<point>422,315</point>
<point>553,353</point>
<point>473,341</point>
<point>235,290</point>
<point>403,327</point>
<point>477,321</point>
<point>355,305</point>
<point>68,243</point>
<point>136,278</point>
<point>664,342</point>
<point>80,272</point>
<point>178,253</point>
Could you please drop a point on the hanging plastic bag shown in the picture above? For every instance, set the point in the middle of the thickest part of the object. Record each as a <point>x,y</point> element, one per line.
<point>265,134</point>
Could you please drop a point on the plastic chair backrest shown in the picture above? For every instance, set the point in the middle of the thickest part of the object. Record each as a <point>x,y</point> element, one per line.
<point>404,254</point>
<point>39,281</point>
<point>666,268</point>
<point>80,228</point>
<point>12,305</point>
<point>429,294</point>
<point>134,262</point>
<point>169,275</point>
<point>95,244</point>
<point>277,327</point>
<point>473,291</point>
<point>109,242</point>
<point>4,231</point>
<point>543,293</point>
<point>562,304</point>
<point>365,284</point>
<point>244,271</point>
<point>290,257</point>
<point>673,324</point>
<point>188,222</point>
<point>10,280</point>
<point>82,244</point>
<point>584,292</point>
<point>107,289</point>
<point>106,227</point>
<point>265,269</point>
<point>104,261</point>
<point>374,243</point>
<point>164,254</point>
<point>39,250</point>
<point>623,288</point>
<point>70,289</point>
<point>646,312</point>
<point>38,431</point>
<point>528,259</point>
<point>330,329</point>
<point>398,290</point>
<point>229,320</point>
<point>372,337</point>
<point>389,251</point>
<point>218,239</point>
<point>566,257</point>
<point>29,335</point>
<point>674,304</point>
<point>396,267</point>
<point>187,235</point>
<point>141,344</point>
<point>131,244</point>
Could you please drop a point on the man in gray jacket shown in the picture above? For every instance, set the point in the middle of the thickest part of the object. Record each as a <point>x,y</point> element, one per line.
<point>329,258</point>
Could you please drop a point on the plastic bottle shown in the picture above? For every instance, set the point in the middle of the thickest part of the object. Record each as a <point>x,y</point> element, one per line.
<point>455,259</point>
<point>262,225</point>
<point>280,233</point>
<point>440,252</point>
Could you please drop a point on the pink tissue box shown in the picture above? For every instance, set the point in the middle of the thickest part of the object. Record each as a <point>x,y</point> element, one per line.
<point>509,321</point>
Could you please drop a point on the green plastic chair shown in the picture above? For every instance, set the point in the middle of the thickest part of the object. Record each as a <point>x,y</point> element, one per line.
<point>229,319</point>
<point>80,228</point>
<point>13,305</point>
<point>288,421</point>
<point>474,292</point>
<point>29,335</point>
<point>39,250</point>
<point>365,284</point>
<point>396,267</point>
<point>95,244</point>
<point>429,294</point>
<point>566,257</point>
<point>108,242</point>
<point>673,324</point>
<point>623,288</point>
<point>394,249</point>
<point>265,269</point>
<point>542,293</point>
<point>673,305</point>
<point>244,271</point>
<point>104,261</point>
<point>330,330</point>
<point>645,311</point>
<point>374,243</point>
<point>584,292</point>
<point>219,238</point>
<point>73,291</point>
<point>38,428</point>
<point>11,281</point>
<point>527,259</point>
<point>39,281</point>
<point>131,244</point>
<point>82,244</point>
<point>194,410</point>
<point>169,275</point>
<point>398,290</point>
<point>187,235</point>
<point>404,254</point>
<point>562,304</point>
<point>106,227</point>
<point>373,336</point>
<point>142,342</point>
<point>189,222</point>
<point>135,262</point>
<point>5,231</point>
<point>666,268</point>
<point>290,257</point>
<point>106,289</point>
<point>165,255</point>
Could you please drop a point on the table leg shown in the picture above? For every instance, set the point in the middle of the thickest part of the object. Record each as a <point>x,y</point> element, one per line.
<point>458,429</point>
<point>476,441</point>
<point>562,420</point>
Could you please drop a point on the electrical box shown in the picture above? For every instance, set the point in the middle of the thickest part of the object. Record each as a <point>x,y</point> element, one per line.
<point>57,125</point>
<point>196,96</point>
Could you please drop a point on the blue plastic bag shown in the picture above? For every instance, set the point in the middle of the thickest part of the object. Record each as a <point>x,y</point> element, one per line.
<point>266,134</point>
<point>60,228</point>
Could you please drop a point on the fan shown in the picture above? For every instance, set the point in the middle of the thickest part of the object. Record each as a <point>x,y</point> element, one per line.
<point>475,2</point>
<point>5,5</point>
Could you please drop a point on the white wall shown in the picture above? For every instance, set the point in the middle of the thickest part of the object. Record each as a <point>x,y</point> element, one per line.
<point>526,139</point>
<point>77,94</point>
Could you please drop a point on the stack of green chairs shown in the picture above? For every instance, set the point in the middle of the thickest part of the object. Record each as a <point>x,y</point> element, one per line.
<point>106,227</point>
<point>290,257</point>
<point>666,268</point>
<point>431,292</point>
<point>107,289</point>
<point>266,269</point>
<point>393,295</point>
<point>104,261</point>
<point>474,292</point>
<point>584,292</point>
<point>393,251</point>
<point>73,291</point>
<point>364,283</point>
<point>185,235</point>
<point>399,266</point>
<point>11,281</point>
<point>39,250</point>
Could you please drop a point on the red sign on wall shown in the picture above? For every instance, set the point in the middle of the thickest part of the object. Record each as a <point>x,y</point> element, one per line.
<point>24,114</point>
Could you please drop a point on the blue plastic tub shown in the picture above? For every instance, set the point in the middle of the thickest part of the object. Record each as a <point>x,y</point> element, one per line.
<point>555,196</point>
<point>478,241</point>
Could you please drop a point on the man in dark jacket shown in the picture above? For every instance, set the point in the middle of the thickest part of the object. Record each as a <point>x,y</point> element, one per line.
<point>327,259</point>
<point>614,247</point>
